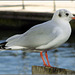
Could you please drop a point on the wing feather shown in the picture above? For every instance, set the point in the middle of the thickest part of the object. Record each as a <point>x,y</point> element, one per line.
<point>12,38</point>
<point>36,36</point>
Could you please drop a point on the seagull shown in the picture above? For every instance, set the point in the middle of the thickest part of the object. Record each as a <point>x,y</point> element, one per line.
<point>43,37</point>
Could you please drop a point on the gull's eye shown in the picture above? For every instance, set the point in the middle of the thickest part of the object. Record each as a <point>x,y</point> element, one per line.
<point>67,14</point>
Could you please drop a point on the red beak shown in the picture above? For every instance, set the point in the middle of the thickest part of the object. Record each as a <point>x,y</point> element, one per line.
<point>73,17</point>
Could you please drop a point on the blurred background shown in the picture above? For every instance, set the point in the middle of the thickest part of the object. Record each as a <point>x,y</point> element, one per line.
<point>17,17</point>
<point>37,6</point>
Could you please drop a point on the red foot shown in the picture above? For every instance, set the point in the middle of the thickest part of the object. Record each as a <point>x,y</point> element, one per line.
<point>47,65</point>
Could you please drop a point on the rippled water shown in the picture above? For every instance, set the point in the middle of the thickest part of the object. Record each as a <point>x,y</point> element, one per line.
<point>20,62</point>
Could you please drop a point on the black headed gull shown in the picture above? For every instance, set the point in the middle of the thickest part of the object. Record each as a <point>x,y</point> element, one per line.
<point>44,36</point>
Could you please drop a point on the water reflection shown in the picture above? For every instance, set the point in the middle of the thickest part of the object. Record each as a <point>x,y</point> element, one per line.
<point>20,62</point>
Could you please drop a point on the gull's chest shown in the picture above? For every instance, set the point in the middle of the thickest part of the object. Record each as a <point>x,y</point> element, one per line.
<point>66,29</point>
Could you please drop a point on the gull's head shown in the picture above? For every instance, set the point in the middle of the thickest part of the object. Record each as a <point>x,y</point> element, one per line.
<point>63,14</point>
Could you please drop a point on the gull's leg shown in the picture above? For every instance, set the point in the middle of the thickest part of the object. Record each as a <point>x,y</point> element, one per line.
<point>43,59</point>
<point>47,60</point>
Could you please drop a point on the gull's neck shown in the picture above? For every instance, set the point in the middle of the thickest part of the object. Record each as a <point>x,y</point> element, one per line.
<point>60,21</point>
<point>63,24</point>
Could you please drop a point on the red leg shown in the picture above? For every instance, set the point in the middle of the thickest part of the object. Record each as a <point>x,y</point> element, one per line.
<point>43,59</point>
<point>47,60</point>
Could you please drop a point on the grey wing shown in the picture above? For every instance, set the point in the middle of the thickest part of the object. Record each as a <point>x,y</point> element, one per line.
<point>12,38</point>
<point>34,37</point>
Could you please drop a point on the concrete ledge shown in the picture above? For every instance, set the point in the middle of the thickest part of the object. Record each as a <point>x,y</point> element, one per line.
<point>40,70</point>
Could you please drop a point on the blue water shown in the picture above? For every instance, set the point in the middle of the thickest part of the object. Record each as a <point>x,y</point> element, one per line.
<point>20,62</point>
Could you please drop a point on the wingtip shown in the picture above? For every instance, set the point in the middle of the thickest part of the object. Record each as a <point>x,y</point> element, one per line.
<point>2,45</point>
